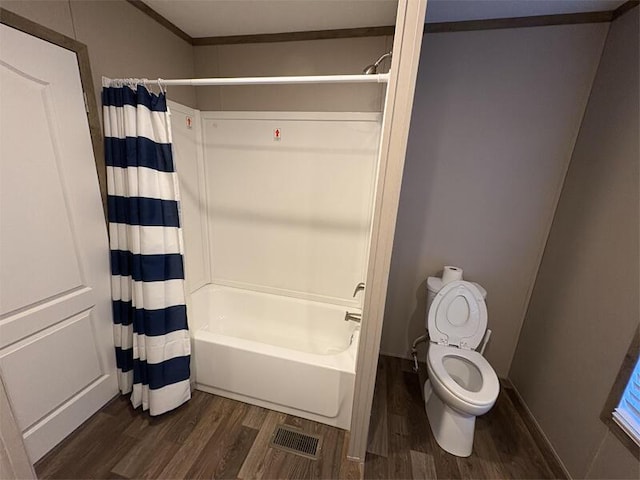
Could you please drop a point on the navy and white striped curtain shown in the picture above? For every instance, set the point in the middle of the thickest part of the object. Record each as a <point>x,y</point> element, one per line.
<point>147,282</point>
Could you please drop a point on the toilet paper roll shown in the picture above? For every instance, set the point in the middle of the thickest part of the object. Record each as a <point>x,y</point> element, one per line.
<point>451,274</point>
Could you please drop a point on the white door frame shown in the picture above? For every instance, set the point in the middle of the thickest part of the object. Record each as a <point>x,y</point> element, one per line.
<point>14,461</point>
<point>395,132</point>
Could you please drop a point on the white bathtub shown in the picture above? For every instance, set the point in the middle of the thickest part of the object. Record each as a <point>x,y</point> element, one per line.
<point>290,355</point>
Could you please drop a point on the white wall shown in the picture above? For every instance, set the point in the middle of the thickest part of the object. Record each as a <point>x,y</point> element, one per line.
<point>495,117</point>
<point>291,216</point>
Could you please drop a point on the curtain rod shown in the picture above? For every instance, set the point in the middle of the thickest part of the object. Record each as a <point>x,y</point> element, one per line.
<point>197,82</point>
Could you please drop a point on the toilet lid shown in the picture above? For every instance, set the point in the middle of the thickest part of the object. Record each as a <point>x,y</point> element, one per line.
<point>458,315</point>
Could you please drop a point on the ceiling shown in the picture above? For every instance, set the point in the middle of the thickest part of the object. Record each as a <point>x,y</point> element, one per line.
<point>214,18</point>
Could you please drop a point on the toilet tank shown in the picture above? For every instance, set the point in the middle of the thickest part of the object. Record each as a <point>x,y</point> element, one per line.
<point>434,285</point>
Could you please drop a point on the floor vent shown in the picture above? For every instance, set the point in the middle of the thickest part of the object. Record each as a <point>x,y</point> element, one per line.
<point>292,440</point>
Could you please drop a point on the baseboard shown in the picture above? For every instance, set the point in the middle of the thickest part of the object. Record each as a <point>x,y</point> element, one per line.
<point>540,438</point>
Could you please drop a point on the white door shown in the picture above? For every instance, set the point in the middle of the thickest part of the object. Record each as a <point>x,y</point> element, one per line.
<point>56,342</point>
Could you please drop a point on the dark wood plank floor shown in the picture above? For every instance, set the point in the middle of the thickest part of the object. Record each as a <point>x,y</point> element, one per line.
<point>214,437</point>
<point>401,445</point>
<point>209,437</point>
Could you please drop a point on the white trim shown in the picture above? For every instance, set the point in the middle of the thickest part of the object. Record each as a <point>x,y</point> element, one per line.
<point>627,415</point>
<point>14,460</point>
<point>395,132</point>
<point>627,426</point>
<point>297,116</point>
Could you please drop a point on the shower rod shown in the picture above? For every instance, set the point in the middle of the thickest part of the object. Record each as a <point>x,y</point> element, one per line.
<point>286,80</point>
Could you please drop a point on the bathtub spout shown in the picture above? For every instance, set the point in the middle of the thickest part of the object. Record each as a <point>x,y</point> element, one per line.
<point>356,317</point>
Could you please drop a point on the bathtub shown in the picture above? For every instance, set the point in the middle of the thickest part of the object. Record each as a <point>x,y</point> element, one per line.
<point>286,354</point>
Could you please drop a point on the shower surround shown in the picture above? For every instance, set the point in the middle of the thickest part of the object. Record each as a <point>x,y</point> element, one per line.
<point>277,212</point>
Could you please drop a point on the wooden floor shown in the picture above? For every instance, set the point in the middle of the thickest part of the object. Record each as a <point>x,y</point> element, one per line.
<point>214,437</point>
<point>209,437</point>
<point>401,444</point>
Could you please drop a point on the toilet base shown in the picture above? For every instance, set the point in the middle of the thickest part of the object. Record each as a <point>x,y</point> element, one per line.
<point>452,429</point>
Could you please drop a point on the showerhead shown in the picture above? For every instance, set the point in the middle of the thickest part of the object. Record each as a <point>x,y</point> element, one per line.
<point>370,69</point>
<point>373,68</point>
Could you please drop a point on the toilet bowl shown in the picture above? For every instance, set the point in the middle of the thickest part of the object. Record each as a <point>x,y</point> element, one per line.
<point>462,384</point>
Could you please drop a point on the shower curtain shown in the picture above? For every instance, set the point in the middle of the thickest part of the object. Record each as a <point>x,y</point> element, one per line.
<point>149,311</point>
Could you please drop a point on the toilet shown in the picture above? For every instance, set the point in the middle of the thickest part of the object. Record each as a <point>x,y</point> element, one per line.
<point>462,384</point>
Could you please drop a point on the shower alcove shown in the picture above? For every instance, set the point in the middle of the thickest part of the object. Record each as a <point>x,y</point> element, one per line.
<point>276,210</point>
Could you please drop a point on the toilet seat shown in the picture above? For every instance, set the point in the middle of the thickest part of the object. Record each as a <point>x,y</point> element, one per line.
<point>488,392</point>
<point>458,316</point>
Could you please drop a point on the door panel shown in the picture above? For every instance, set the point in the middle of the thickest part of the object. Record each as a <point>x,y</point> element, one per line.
<point>18,325</point>
<point>74,368</point>
<point>56,341</point>
<point>46,239</point>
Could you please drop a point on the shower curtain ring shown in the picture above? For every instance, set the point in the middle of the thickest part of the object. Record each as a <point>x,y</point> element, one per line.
<point>162,89</point>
